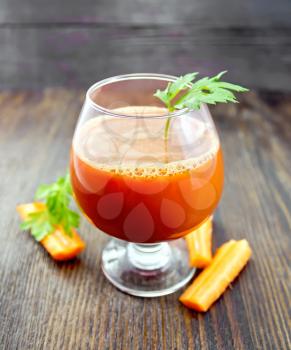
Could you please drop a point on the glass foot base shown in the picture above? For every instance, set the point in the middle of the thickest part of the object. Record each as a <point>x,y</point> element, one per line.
<point>147,270</point>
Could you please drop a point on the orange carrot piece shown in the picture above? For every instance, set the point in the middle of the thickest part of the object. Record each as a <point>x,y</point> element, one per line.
<point>227,263</point>
<point>58,244</point>
<point>61,246</point>
<point>25,209</point>
<point>199,244</point>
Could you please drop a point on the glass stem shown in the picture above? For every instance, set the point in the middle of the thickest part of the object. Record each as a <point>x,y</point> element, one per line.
<point>149,256</point>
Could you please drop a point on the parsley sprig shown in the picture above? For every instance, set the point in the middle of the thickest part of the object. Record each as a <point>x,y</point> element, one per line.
<point>205,90</point>
<point>57,197</point>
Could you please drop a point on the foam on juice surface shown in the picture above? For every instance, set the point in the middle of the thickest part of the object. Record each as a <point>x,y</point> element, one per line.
<point>136,146</point>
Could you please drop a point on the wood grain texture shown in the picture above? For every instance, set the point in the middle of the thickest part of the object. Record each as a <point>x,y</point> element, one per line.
<point>49,305</point>
<point>78,56</point>
<point>255,13</point>
<point>73,43</point>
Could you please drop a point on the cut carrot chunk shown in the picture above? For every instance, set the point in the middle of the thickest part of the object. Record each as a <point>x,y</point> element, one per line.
<point>58,244</point>
<point>25,209</point>
<point>61,246</point>
<point>227,263</point>
<point>199,244</point>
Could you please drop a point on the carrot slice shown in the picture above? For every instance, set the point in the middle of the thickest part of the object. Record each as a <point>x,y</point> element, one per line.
<point>25,209</point>
<point>58,244</point>
<point>227,263</point>
<point>199,245</point>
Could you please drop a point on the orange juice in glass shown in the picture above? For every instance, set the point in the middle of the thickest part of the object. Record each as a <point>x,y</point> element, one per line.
<point>143,189</point>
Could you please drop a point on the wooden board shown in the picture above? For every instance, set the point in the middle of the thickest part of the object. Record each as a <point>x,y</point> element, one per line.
<point>77,56</point>
<point>208,13</point>
<point>74,43</point>
<point>48,305</point>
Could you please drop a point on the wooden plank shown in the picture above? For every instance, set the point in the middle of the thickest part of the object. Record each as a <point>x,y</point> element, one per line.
<point>48,305</point>
<point>225,13</point>
<point>69,56</point>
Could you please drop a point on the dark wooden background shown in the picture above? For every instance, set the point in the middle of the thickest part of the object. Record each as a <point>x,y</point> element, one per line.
<point>77,42</point>
<point>50,52</point>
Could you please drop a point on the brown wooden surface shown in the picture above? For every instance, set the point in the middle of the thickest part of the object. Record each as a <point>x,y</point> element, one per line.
<point>48,305</point>
<point>255,13</point>
<point>74,43</point>
<point>80,55</point>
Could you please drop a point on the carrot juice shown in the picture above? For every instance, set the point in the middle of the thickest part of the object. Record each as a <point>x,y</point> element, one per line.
<point>134,185</point>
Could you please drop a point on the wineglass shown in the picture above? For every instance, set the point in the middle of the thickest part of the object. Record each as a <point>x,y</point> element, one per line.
<point>145,177</point>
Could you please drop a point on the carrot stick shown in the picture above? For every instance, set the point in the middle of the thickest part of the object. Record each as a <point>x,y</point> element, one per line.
<point>199,245</point>
<point>25,209</point>
<point>227,263</point>
<point>58,244</point>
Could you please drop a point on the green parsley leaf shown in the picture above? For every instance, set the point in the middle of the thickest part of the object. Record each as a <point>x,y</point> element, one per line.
<point>174,88</point>
<point>57,197</point>
<point>39,224</point>
<point>206,90</point>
